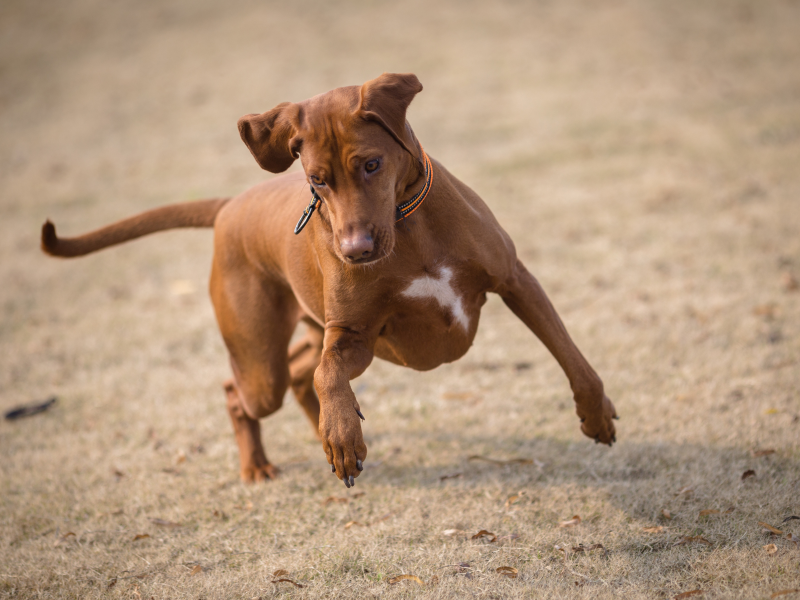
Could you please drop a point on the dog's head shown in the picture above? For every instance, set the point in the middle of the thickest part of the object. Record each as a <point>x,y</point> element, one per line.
<point>358,152</point>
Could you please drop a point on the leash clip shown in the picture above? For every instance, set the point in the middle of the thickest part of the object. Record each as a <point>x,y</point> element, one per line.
<point>308,211</point>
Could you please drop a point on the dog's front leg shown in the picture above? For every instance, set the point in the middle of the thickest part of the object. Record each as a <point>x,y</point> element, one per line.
<point>346,354</point>
<point>526,298</point>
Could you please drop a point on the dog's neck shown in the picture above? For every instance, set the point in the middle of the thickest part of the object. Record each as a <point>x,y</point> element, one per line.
<point>414,178</point>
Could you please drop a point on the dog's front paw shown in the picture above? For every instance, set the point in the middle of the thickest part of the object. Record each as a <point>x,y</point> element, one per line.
<point>343,442</point>
<point>598,424</point>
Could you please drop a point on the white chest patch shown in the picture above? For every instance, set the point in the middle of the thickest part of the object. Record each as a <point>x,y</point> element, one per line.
<point>440,289</point>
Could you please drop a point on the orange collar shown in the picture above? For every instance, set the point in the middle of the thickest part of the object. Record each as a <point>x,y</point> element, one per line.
<point>405,209</point>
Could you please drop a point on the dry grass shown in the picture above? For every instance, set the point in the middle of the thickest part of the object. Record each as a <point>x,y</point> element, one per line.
<point>645,157</point>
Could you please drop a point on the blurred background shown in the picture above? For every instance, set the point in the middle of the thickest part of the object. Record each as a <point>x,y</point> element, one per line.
<point>644,156</point>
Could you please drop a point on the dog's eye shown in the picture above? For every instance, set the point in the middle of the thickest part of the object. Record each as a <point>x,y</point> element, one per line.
<point>316,180</point>
<point>372,165</point>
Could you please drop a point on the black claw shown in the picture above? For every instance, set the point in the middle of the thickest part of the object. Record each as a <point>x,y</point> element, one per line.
<point>346,483</point>
<point>358,412</point>
<point>583,420</point>
<point>352,481</point>
<point>615,417</point>
<point>359,465</point>
<point>614,439</point>
<point>333,468</point>
<point>597,439</point>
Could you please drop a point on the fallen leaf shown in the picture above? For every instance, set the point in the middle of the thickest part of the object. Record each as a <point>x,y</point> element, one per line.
<point>658,529</point>
<point>495,461</point>
<point>688,539</point>
<point>197,569</point>
<point>770,528</point>
<point>512,500</point>
<point>790,518</point>
<point>789,282</point>
<point>575,520</point>
<point>688,594</point>
<point>771,411</point>
<point>358,495</point>
<point>770,549</point>
<point>280,573</point>
<point>508,572</point>
<point>765,452</point>
<point>334,500</point>
<point>141,536</point>
<point>64,537</point>
<point>748,473</point>
<point>112,582</point>
<point>248,506</point>
<point>582,548</point>
<point>784,592</point>
<point>463,567</point>
<point>165,523</point>
<point>795,539</point>
<point>485,534</point>
<point>710,511</point>
<point>729,510</point>
<point>400,578</point>
<point>219,514</point>
<point>450,476</point>
<point>684,490</point>
<point>350,524</point>
<point>386,516</point>
<point>28,410</point>
<point>181,458</point>
<point>767,310</point>
<point>452,532</point>
<point>666,514</point>
<point>294,583</point>
<point>118,474</point>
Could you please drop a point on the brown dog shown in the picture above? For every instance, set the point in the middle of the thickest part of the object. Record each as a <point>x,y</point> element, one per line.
<point>367,276</point>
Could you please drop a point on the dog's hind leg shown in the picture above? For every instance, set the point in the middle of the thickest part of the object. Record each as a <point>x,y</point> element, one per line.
<point>256,318</point>
<point>304,359</point>
<point>254,465</point>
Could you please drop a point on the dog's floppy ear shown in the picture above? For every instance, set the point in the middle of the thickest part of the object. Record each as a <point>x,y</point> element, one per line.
<point>385,100</point>
<point>269,136</point>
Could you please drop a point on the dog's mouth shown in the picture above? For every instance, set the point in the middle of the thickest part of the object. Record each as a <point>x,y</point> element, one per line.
<point>361,261</point>
<point>377,255</point>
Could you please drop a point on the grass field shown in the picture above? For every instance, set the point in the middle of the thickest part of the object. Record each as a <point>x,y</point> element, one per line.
<point>645,158</point>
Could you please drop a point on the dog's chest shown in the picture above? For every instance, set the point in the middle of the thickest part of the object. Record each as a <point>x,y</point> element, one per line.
<point>440,289</point>
<point>434,320</point>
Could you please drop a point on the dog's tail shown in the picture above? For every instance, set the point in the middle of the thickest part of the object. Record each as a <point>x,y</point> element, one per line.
<point>201,213</point>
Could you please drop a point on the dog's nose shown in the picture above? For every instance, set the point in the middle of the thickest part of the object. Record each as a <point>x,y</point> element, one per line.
<point>358,246</point>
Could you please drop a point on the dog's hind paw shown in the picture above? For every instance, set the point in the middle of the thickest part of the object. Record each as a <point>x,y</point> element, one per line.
<point>259,473</point>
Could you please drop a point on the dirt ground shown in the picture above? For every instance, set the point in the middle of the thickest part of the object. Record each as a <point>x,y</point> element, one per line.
<point>645,158</point>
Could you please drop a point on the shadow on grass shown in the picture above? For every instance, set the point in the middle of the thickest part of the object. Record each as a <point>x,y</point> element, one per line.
<point>641,479</point>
